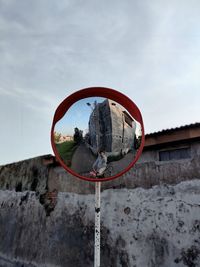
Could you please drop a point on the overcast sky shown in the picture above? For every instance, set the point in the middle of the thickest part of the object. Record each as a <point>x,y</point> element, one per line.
<point>148,50</point>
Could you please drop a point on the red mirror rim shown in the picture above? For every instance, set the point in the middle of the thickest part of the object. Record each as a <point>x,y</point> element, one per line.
<point>97,92</point>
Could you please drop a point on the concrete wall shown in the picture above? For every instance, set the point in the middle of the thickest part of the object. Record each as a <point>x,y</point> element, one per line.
<point>34,175</point>
<point>100,127</point>
<point>122,134</point>
<point>159,227</point>
<point>107,124</point>
<point>146,173</point>
<point>153,226</point>
<point>30,174</point>
<point>152,155</point>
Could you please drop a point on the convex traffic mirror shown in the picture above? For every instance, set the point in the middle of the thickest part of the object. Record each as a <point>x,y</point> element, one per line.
<point>97,133</point>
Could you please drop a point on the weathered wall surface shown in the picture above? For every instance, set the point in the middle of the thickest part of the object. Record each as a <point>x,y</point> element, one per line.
<point>153,227</point>
<point>34,175</point>
<point>158,227</point>
<point>143,175</point>
<point>30,174</point>
<point>153,155</point>
<point>122,133</point>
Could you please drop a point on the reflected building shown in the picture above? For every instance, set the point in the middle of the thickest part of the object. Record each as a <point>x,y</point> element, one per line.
<point>111,128</point>
<point>65,138</point>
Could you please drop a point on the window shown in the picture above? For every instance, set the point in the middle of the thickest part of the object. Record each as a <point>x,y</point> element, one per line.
<point>128,119</point>
<point>181,153</point>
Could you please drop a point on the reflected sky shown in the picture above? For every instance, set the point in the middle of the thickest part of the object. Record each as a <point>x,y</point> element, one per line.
<point>77,116</point>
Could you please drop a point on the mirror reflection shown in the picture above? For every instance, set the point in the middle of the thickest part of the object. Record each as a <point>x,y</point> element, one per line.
<point>97,137</point>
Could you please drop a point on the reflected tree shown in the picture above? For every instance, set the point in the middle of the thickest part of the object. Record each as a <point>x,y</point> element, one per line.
<point>57,137</point>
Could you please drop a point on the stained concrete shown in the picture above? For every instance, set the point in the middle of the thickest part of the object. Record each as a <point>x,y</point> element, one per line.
<point>34,175</point>
<point>150,215</point>
<point>30,174</point>
<point>155,227</point>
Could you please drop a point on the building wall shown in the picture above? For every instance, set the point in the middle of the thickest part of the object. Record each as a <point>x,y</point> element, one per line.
<point>100,127</point>
<point>30,174</point>
<point>146,173</point>
<point>156,228</point>
<point>105,126</point>
<point>152,154</point>
<point>149,216</point>
<point>108,127</point>
<point>122,134</point>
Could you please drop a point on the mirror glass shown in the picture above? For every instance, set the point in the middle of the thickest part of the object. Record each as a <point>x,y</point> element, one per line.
<point>97,137</point>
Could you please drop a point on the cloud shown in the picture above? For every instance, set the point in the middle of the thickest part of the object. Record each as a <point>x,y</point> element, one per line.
<point>38,102</point>
<point>149,50</point>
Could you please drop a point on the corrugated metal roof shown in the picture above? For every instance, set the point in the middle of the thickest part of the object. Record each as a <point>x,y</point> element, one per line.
<point>192,125</point>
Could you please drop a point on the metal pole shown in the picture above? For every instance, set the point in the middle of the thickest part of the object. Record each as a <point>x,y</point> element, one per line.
<point>97,224</point>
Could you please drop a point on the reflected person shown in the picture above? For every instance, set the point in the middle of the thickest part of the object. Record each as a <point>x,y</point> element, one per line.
<point>100,164</point>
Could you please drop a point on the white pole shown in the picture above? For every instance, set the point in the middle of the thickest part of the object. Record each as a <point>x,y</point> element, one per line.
<point>97,224</point>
